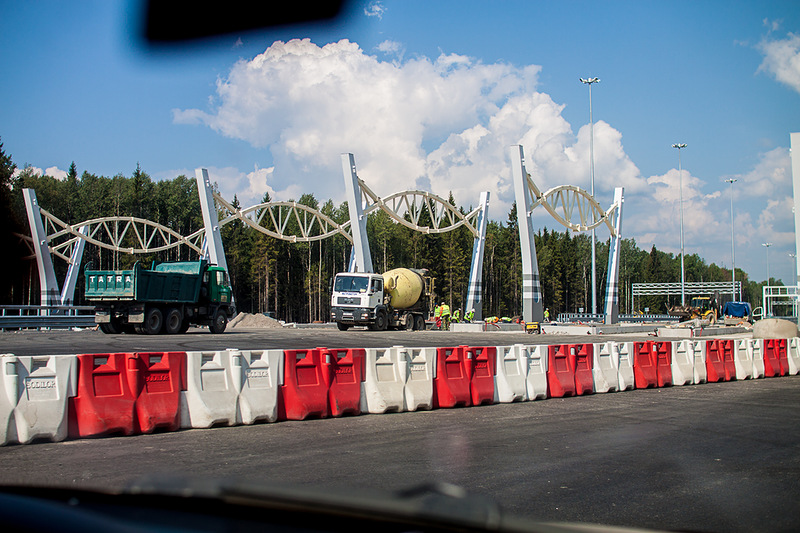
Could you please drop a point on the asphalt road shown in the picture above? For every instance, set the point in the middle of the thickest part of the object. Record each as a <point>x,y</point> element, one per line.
<point>712,457</point>
<point>90,341</point>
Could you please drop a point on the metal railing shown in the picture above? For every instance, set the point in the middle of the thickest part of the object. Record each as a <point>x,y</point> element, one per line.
<point>46,316</point>
<point>589,317</point>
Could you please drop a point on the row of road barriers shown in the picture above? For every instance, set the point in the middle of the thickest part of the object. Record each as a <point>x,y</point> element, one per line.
<point>56,397</point>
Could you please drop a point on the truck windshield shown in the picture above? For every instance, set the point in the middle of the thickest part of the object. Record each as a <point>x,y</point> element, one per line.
<point>351,284</point>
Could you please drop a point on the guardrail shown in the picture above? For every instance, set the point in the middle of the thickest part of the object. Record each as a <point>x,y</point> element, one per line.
<point>590,317</point>
<point>46,316</point>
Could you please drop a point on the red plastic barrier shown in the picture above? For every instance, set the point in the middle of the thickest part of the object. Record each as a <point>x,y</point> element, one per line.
<point>775,359</point>
<point>344,371</point>
<point>304,392</point>
<point>645,371</point>
<point>715,361</point>
<point>582,361</point>
<point>662,355</point>
<point>726,346</point>
<point>156,380</point>
<point>483,364</point>
<point>560,372</point>
<point>451,386</point>
<point>104,403</point>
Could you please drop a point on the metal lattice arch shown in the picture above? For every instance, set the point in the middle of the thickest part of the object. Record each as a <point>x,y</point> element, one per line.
<point>573,208</point>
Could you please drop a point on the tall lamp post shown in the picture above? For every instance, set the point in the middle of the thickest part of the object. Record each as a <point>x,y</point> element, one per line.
<point>733,260</point>
<point>679,146</point>
<point>589,82</point>
<point>767,245</point>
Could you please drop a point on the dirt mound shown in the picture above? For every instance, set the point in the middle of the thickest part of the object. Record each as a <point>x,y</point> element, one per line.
<point>250,321</point>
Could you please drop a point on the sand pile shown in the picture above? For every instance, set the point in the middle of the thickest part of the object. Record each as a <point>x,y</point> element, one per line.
<point>257,321</point>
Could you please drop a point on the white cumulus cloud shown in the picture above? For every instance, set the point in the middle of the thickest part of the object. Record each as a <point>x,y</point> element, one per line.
<point>782,59</point>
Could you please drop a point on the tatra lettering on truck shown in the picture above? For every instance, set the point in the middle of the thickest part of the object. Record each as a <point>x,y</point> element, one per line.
<point>167,298</point>
<point>397,299</point>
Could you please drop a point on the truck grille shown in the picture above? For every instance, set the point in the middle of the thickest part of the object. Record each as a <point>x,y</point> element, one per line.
<point>348,301</point>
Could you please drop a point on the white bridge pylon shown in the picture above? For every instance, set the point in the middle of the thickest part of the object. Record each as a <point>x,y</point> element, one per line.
<point>574,208</point>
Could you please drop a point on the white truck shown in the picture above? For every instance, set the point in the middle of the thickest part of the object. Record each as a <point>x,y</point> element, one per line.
<point>398,299</point>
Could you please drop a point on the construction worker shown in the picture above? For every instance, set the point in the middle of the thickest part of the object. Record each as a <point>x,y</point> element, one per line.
<point>446,315</point>
<point>547,315</point>
<point>437,316</point>
<point>457,315</point>
<point>470,315</point>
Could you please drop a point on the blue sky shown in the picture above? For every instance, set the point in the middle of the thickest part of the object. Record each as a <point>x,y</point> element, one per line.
<point>430,95</point>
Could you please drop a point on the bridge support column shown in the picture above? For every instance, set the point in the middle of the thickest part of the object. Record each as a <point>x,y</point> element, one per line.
<point>48,285</point>
<point>612,280</point>
<point>532,306</point>
<point>215,252</point>
<point>475,289</point>
<point>795,152</point>
<point>360,257</point>
<point>68,291</point>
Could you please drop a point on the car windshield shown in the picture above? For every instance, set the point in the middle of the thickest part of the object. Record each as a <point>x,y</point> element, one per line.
<point>351,284</point>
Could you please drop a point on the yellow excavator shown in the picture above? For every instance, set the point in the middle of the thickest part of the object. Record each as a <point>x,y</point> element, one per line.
<point>702,307</point>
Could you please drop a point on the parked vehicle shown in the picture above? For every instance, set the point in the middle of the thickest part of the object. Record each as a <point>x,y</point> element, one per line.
<point>169,297</point>
<point>397,299</point>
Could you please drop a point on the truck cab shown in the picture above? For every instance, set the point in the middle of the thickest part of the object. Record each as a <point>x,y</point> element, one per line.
<point>215,279</point>
<point>357,299</point>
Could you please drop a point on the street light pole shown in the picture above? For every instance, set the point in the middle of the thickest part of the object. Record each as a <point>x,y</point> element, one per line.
<point>767,245</point>
<point>589,82</point>
<point>679,146</point>
<point>733,260</point>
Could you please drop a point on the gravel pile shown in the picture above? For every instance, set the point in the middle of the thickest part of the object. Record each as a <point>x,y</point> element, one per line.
<point>257,321</point>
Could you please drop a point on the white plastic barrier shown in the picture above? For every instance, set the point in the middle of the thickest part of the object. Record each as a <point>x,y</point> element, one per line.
<point>755,348</point>
<point>256,375</point>
<point>605,370</point>
<point>210,397</point>
<point>536,377</point>
<point>697,351</point>
<point>682,363</point>
<point>793,355</point>
<point>509,380</point>
<point>623,351</point>
<point>383,388</point>
<point>38,387</point>
<point>742,359</point>
<point>8,401</point>
<point>419,365</point>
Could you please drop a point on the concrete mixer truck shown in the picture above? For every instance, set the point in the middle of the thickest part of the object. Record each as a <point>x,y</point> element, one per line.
<point>397,299</point>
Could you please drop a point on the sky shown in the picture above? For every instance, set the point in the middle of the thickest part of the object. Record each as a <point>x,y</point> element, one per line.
<point>430,95</point>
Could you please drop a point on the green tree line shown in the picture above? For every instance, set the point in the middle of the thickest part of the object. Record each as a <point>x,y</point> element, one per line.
<point>292,280</point>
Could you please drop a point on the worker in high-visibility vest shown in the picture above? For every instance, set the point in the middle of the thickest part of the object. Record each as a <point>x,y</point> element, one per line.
<point>446,315</point>
<point>470,315</point>
<point>547,315</point>
<point>437,316</point>
<point>457,315</point>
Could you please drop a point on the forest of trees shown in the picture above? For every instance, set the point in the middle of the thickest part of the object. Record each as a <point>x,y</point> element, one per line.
<point>291,280</point>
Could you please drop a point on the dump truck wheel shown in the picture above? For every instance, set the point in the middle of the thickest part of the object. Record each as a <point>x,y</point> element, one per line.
<point>419,323</point>
<point>381,321</point>
<point>342,327</point>
<point>219,323</point>
<point>109,328</point>
<point>173,321</point>
<point>153,321</point>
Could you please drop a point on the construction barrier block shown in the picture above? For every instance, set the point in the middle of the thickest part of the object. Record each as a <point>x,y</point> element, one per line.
<point>36,389</point>
<point>742,359</point>
<point>793,356</point>
<point>560,372</point>
<point>156,380</point>
<point>605,373</point>
<point>8,399</point>
<point>682,366</point>
<point>581,358</point>
<point>384,381</point>
<point>509,379</point>
<point>451,382</point>
<point>420,369</point>
<point>779,346</point>
<point>304,391</point>
<point>623,353</point>
<point>255,375</point>
<point>755,347</point>
<point>210,398</point>
<point>536,378</point>
<point>662,355</point>
<point>344,371</point>
<point>482,362</point>
<point>104,402</point>
<point>645,371</point>
<point>715,361</point>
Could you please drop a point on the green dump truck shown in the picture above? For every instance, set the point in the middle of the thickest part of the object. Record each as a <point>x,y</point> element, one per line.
<point>168,298</point>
